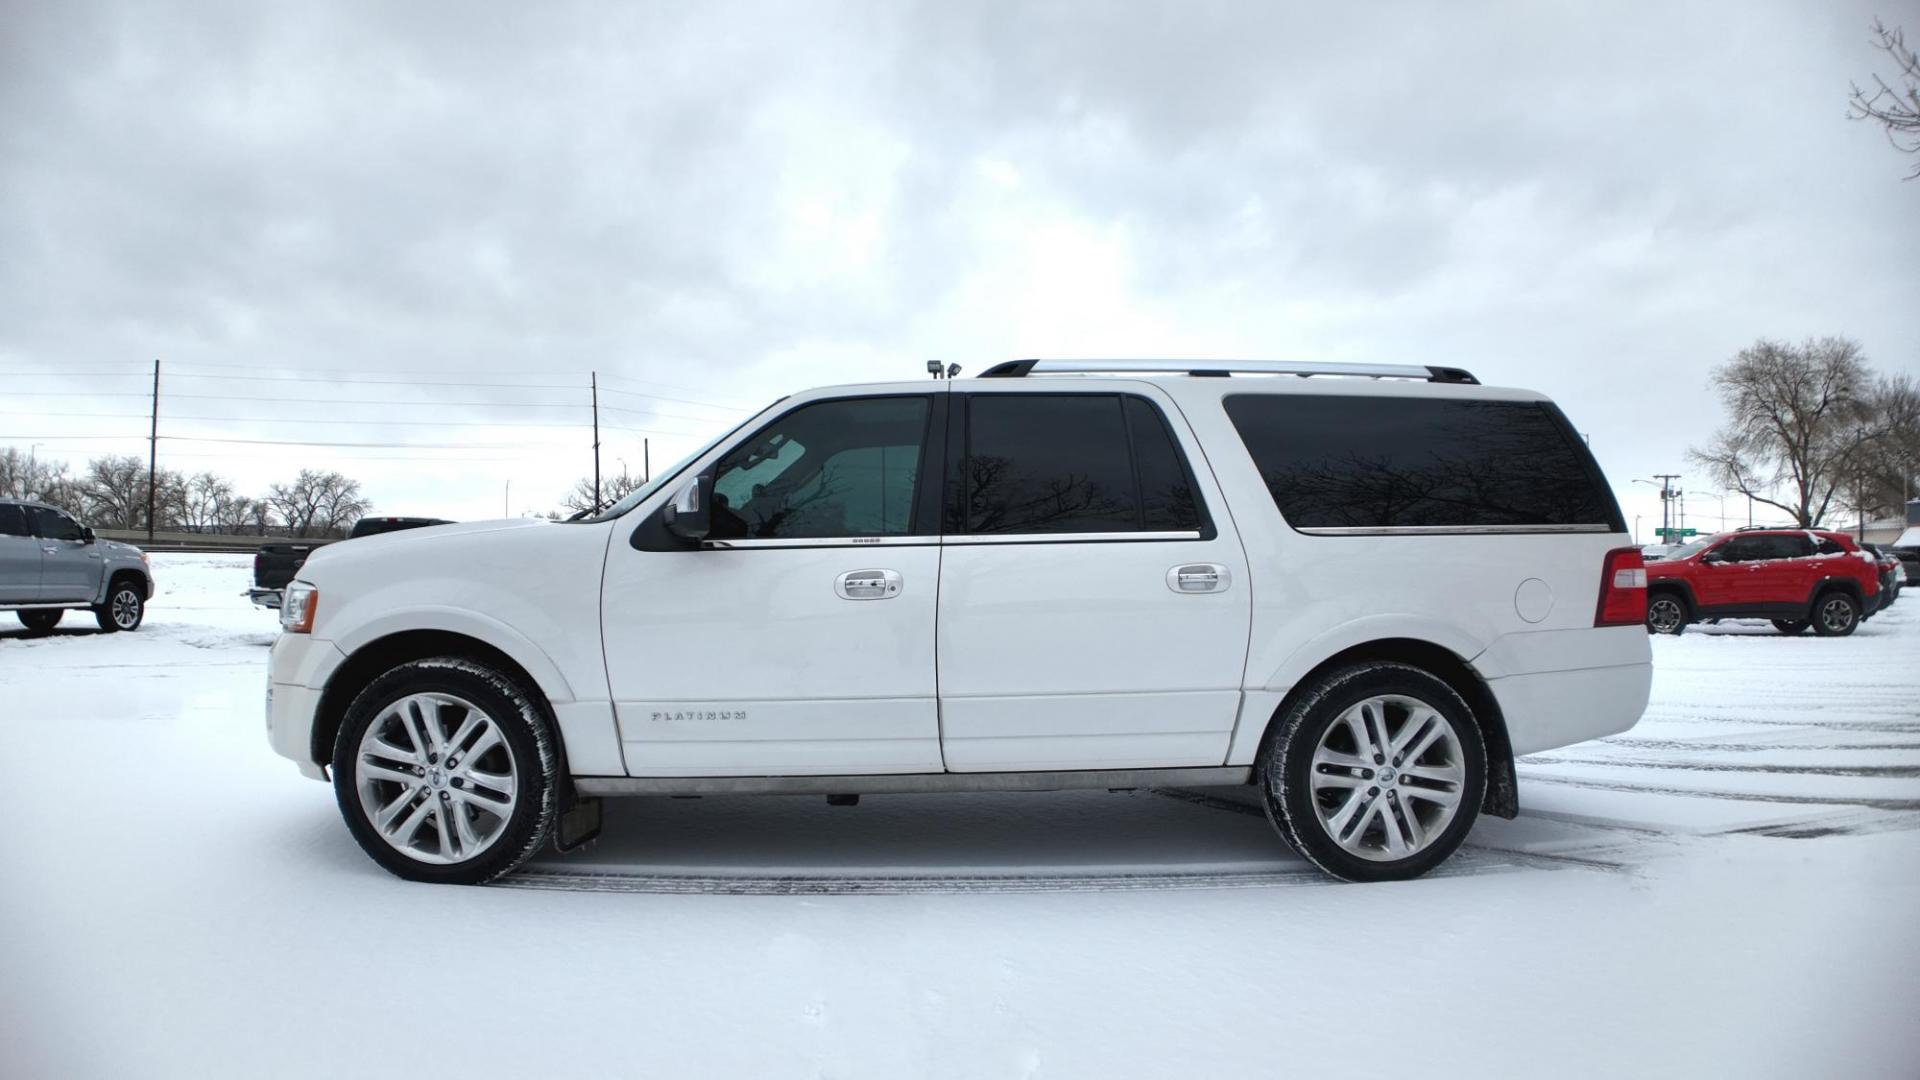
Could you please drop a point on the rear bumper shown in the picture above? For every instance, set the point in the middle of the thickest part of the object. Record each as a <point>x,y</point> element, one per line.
<point>266,598</point>
<point>1559,708</point>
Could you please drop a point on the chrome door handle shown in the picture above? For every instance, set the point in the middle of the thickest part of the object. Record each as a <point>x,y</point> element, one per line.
<point>51,550</point>
<point>867,584</point>
<point>1199,578</point>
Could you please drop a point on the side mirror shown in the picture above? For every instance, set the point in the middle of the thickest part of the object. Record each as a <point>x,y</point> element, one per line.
<point>690,515</point>
<point>86,534</point>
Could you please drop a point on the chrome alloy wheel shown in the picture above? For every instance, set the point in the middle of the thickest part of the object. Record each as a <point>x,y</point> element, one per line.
<point>436,778</point>
<point>126,608</point>
<point>1836,614</point>
<point>1387,777</point>
<point>1665,615</point>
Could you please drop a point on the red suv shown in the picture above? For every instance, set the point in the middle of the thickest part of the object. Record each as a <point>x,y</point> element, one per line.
<point>1796,577</point>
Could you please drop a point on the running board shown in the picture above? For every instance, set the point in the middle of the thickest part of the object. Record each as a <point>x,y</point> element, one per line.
<point>912,783</point>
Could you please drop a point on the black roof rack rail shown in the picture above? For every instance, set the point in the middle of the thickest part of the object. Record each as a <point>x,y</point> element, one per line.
<point>1020,369</point>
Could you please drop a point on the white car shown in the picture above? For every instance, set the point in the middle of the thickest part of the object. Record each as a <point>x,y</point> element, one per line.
<point>1361,593</point>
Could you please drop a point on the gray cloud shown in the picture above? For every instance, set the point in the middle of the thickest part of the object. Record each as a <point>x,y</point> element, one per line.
<point>1598,201</point>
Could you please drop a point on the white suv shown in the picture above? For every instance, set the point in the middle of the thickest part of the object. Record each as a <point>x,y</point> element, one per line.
<point>1362,593</point>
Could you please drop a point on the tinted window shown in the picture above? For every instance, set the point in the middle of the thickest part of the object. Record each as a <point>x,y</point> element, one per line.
<point>1071,463</point>
<point>1166,491</point>
<point>13,521</point>
<point>1367,462</point>
<point>1762,548</point>
<point>831,469</point>
<point>54,525</point>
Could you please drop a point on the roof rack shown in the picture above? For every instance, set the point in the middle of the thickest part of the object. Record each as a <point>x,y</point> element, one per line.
<point>1019,369</point>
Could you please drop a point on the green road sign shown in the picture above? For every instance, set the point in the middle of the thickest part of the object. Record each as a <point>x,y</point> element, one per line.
<point>1675,534</point>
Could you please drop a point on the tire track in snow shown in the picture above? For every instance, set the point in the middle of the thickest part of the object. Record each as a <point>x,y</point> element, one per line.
<point>1737,796</point>
<point>1874,772</point>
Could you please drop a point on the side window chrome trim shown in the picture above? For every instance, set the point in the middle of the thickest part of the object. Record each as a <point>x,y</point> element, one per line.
<point>821,542</point>
<point>1441,530</point>
<point>954,540</point>
<point>963,539</point>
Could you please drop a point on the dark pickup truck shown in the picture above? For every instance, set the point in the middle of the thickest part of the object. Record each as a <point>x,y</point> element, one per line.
<point>274,565</point>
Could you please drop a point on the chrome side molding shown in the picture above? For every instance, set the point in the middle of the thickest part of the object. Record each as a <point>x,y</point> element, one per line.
<point>912,783</point>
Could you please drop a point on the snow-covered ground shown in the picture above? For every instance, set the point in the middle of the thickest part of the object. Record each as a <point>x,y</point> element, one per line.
<point>1730,889</point>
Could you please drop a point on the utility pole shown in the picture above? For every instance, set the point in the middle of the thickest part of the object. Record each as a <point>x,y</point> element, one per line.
<point>153,451</point>
<point>646,462</point>
<point>596,440</point>
<point>1666,502</point>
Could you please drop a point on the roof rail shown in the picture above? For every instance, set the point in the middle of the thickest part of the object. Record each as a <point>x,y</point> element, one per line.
<point>1019,369</point>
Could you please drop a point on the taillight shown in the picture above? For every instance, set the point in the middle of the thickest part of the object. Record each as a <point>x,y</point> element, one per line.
<point>1623,589</point>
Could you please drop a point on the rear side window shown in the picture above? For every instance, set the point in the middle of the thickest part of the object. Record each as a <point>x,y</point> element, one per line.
<point>1367,463</point>
<point>13,521</point>
<point>1762,548</point>
<point>1827,546</point>
<point>1071,463</point>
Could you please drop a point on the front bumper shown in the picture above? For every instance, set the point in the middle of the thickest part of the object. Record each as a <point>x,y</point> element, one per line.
<point>297,674</point>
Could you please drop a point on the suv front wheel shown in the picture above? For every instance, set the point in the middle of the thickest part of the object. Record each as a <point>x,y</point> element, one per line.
<point>1836,614</point>
<point>445,772</point>
<point>1376,773</point>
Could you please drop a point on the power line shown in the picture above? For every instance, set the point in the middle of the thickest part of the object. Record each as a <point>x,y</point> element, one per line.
<point>284,420</point>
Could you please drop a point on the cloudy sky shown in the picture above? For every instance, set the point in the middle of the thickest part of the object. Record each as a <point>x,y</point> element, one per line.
<point>410,231</point>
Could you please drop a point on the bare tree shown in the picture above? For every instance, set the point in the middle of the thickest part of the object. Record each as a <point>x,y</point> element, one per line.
<point>317,503</point>
<point>612,490</point>
<point>24,476</point>
<point>204,501</point>
<point>1895,106</point>
<point>1797,416</point>
<point>114,492</point>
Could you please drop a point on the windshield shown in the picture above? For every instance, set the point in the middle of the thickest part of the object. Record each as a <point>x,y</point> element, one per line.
<point>1689,550</point>
<point>660,479</point>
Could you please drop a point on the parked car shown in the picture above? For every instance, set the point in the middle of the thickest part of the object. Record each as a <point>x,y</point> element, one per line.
<point>1909,557</point>
<point>1795,577</point>
<point>1361,597</point>
<point>1892,575</point>
<point>276,564</point>
<point>51,564</point>
<point>1650,552</point>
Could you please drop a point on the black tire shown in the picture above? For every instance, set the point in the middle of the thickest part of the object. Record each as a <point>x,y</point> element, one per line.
<point>126,606</point>
<point>1286,768</point>
<point>1667,613</point>
<point>41,620</point>
<point>1835,614</point>
<point>523,727</point>
<point>1791,626</point>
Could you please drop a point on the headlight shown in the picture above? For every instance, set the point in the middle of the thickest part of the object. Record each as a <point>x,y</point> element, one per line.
<point>296,607</point>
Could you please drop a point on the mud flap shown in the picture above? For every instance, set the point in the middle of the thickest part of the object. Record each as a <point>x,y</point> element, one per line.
<point>579,825</point>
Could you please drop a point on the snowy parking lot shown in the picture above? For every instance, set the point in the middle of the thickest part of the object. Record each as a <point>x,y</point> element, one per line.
<point>1732,888</point>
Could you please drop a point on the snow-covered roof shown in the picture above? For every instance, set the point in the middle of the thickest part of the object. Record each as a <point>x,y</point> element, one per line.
<point>1910,538</point>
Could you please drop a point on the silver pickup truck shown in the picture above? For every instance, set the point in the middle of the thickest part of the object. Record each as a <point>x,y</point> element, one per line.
<point>50,563</point>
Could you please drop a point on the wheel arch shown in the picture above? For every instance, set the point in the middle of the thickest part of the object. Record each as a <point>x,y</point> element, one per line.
<point>381,655</point>
<point>1502,798</point>
<point>116,574</point>
<point>1674,585</point>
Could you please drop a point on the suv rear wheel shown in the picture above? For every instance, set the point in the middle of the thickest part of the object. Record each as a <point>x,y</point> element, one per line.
<point>1666,613</point>
<point>1835,614</point>
<point>1376,773</point>
<point>445,772</point>
<point>41,621</point>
